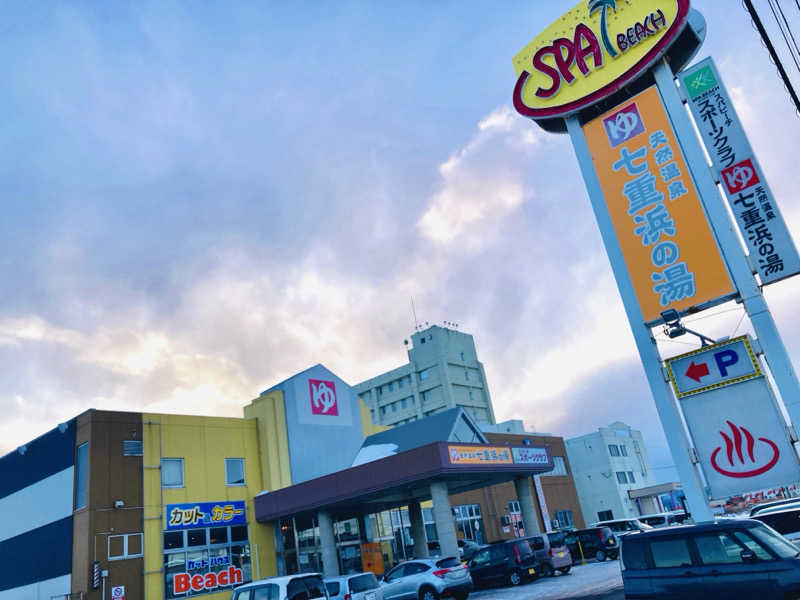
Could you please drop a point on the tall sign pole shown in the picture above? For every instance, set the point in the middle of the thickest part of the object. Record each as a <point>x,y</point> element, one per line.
<point>666,406</point>
<point>672,246</point>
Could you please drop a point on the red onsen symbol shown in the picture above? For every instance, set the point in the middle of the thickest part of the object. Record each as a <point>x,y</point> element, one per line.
<point>736,444</point>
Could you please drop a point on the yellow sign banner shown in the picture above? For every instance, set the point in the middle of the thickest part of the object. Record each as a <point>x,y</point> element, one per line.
<point>669,249</point>
<point>479,455</point>
<point>593,51</point>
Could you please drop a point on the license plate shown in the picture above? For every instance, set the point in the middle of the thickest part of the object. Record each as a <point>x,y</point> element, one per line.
<point>560,555</point>
<point>369,596</point>
<point>531,571</point>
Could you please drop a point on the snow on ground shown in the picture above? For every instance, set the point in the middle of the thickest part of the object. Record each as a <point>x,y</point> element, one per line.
<point>582,580</point>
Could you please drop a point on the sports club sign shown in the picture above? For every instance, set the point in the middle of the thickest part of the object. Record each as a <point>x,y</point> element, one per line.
<point>771,248</point>
<point>592,52</point>
<point>670,252</point>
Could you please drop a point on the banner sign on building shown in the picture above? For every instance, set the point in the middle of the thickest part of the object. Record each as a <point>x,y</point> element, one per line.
<point>713,367</point>
<point>205,514</point>
<point>771,248</point>
<point>531,455</point>
<point>479,455</point>
<point>592,52</point>
<point>670,252</point>
<point>740,438</point>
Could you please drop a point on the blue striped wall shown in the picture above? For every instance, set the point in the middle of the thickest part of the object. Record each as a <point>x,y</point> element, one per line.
<point>36,502</point>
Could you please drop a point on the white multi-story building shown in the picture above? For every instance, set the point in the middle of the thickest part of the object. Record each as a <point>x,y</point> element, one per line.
<point>606,464</point>
<point>442,372</point>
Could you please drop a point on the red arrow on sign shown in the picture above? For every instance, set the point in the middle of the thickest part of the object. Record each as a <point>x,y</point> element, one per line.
<point>697,371</point>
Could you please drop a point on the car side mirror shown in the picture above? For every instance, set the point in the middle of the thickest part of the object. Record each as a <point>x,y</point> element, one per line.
<point>748,556</point>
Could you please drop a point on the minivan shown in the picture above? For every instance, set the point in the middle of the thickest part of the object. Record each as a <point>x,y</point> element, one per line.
<point>729,558</point>
<point>664,519</point>
<point>509,561</point>
<point>551,553</point>
<point>785,521</point>
<point>593,542</point>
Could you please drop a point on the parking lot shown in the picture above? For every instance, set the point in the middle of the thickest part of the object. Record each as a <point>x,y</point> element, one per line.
<point>593,580</point>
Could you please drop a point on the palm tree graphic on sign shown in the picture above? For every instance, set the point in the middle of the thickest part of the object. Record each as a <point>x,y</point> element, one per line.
<point>604,5</point>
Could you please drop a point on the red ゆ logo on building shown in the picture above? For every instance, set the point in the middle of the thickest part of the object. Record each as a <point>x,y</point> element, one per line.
<point>323,397</point>
<point>741,450</point>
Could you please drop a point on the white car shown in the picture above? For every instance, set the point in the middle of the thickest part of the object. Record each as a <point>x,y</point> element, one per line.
<point>623,526</point>
<point>305,586</point>
<point>355,586</point>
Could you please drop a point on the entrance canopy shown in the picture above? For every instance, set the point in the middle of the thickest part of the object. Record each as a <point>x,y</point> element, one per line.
<point>404,477</point>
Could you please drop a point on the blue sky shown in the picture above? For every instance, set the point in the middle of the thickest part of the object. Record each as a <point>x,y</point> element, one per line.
<point>203,199</point>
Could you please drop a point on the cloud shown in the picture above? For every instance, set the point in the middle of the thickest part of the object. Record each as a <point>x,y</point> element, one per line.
<point>482,183</point>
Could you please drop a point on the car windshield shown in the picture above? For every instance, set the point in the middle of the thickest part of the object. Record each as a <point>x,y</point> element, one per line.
<point>774,541</point>
<point>333,588</point>
<point>363,582</point>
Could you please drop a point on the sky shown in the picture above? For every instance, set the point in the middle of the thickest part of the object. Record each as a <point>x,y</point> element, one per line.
<point>201,200</point>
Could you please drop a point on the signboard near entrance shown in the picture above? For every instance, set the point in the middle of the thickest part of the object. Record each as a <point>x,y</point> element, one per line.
<point>713,367</point>
<point>760,222</point>
<point>740,438</point>
<point>670,252</point>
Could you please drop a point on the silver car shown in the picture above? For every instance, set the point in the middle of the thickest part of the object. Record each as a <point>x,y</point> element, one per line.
<point>427,579</point>
<point>356,586</point>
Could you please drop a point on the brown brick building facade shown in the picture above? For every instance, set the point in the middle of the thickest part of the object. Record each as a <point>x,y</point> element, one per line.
<point>496,502</point>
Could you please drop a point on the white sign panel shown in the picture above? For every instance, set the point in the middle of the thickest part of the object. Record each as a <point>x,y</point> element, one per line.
<point>714,366</point>
<point>740,438</point>
<point>118,592</point>
<point>771,248</point>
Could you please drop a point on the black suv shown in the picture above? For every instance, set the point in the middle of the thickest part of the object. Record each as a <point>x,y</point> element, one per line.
<point>510,561</point>
<point>731,558</point>
<point>594,542</point>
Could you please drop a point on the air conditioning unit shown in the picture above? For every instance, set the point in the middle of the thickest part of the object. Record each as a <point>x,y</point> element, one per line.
<point>506,519</point>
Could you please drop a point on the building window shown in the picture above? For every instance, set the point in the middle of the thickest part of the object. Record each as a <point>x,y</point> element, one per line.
<point>413,400</point>
<point>559,467</point>
<point>234,471</point>
<point>400,383</point>
<point>125,545</point>
<point>462,357</point>
<point>470,394</point>
<point>132,448</point>
<point>426,396</point>
<point>613,449</point>
<point>82,476</point>
<point>513,507</point>
<point>631,478</point>
<point>212,550</point>
<point>623,450</point>
<point>565,519</point>
<point>394,406</point>
<point>605,515</point>
<point>621,477</point>
<point>403,403</point>
<point>466,374</point>
<point>383,410</point>
<point>391,386</point>
<point>172,472</point>
<point>424,374</point>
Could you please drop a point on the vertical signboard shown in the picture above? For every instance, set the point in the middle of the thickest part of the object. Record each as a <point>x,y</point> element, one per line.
<point>669,250</point>
<point>773,252</point>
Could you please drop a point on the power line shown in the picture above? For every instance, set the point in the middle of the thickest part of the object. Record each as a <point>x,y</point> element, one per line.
<point>792,52</point>
<point>775,59</point>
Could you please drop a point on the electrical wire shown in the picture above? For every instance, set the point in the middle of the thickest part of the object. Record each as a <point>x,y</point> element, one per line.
<point>773,54</point>
<point>788,28</point>
<point>738,324</point>
<point>783,33</point>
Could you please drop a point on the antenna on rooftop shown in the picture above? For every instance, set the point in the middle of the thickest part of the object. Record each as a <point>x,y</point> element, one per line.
<point>414,314</point>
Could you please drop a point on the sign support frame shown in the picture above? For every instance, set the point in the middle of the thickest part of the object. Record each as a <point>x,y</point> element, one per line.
<point>751,297</point>
<point>666,405</point>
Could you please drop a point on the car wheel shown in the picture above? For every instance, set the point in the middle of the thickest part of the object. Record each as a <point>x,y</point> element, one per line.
<point>514,578</point>
<point>600,556</point>
<point>547,570</point>
<point>565,570</point>
<point>428,593</point>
